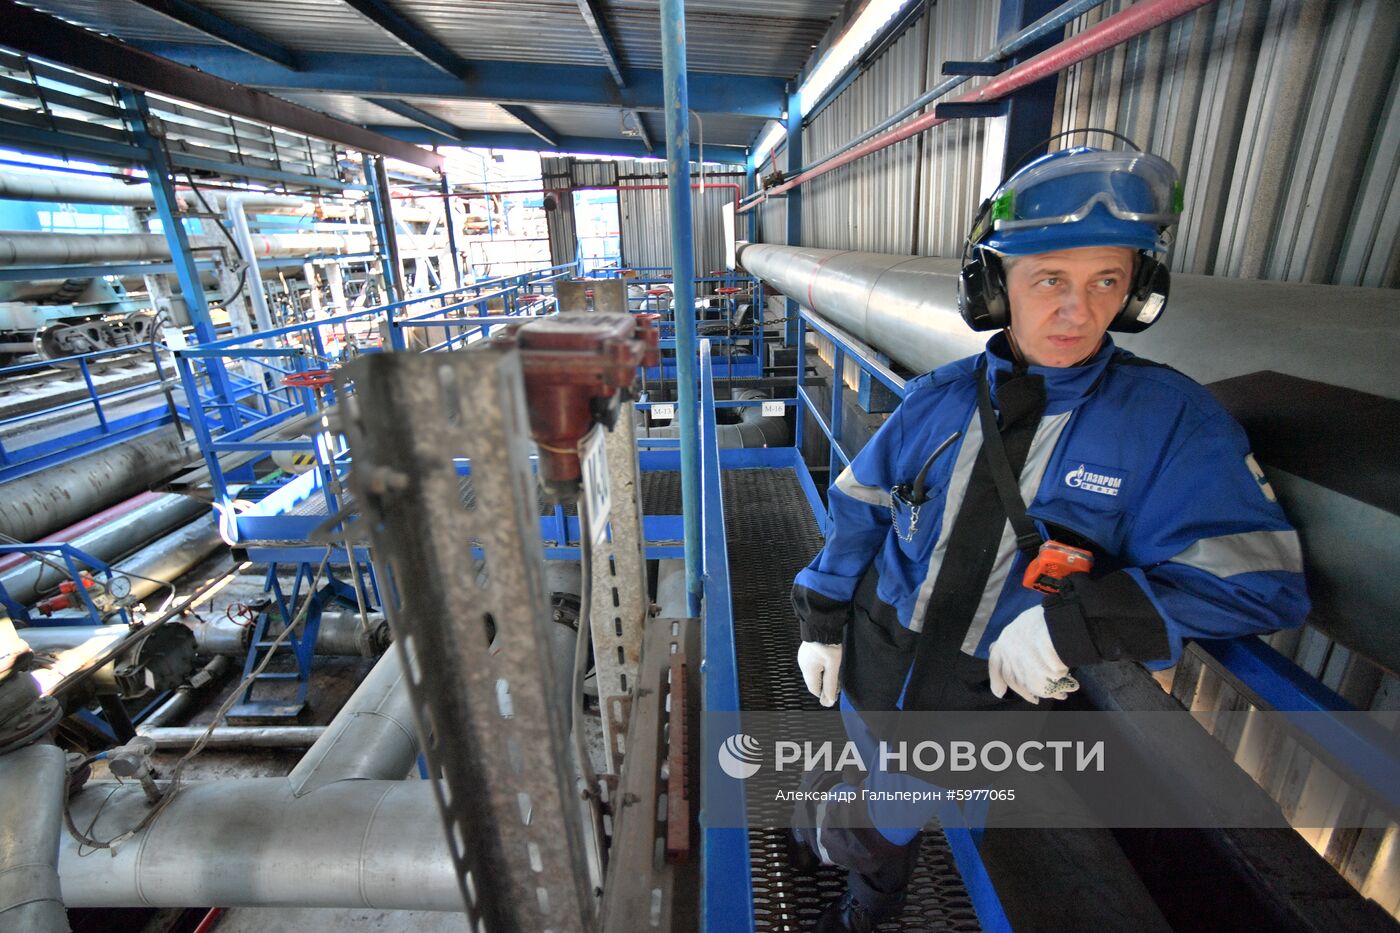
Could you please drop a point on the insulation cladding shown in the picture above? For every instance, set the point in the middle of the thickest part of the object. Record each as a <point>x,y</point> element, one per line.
<point>643,212</point>
<point>1285,119</point>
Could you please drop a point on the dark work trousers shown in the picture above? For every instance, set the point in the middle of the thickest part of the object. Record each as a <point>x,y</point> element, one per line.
<point>878,842</point>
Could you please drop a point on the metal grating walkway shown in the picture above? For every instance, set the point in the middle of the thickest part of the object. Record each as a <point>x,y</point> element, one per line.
<point>771,537</point>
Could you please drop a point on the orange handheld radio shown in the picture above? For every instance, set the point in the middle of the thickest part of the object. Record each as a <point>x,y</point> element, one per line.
<point>1055,563</point>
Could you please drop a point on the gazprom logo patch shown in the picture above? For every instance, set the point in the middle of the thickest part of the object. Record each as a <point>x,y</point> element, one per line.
<point>740,756</point>
<point>1094,480</point>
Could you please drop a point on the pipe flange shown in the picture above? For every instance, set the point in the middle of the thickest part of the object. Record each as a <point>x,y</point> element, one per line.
<point>41,716</point>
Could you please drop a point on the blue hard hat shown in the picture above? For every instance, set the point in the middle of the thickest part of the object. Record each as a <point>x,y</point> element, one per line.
<point>1084,197</point>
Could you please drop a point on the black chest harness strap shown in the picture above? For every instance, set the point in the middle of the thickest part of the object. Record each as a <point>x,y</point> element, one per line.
<point>976,532</point>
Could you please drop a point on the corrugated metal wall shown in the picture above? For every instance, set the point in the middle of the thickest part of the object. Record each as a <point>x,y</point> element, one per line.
<point>1285,119</point>
<point>917,196</point>
<point>645,214</point>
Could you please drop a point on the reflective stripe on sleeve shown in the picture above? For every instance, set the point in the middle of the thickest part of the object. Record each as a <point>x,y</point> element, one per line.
<point>870,495</point>
<point>1248,552</point>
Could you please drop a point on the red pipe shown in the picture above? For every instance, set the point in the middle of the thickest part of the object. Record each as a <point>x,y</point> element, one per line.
<point>484,194</point>
<point>210,920</point>
<point>1117,29</point>
<point>83,527</point>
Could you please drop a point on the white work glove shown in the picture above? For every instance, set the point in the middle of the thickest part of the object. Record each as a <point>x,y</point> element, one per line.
<point>1024,659</point>
<point>821,668</point>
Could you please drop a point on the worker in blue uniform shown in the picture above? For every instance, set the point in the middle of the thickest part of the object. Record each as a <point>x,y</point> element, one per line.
<point>1052,438</point>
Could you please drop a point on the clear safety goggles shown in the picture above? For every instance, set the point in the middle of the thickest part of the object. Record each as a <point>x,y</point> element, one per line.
<point>1132,186</point>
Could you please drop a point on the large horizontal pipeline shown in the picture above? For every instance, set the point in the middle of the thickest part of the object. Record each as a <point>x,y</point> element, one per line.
<point>109,542</point>
<point>254,843</point>
<point>35,505</point>
<point>54,249</point>
<point>1213,328</point>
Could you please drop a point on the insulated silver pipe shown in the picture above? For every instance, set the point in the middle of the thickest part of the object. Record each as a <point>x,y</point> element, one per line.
<point>234,736</point>
<point>108,543</point>
<point>1213,328</point>
<point>253,843</point>
<point>182,703</point>
<point>339,633</point>
<point>371,738</point>
<point>41,503</point>
<point>171,557</point>
<point>58,249</point>
<point>32,786</point>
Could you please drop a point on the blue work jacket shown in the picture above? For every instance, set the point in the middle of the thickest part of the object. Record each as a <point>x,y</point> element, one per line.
<point>1131,459</point>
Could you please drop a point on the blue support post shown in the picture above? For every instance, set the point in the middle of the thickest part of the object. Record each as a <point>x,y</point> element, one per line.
<point>1030,111</point>
<point>751,169</point>
<point>158,170</point>
<point>138,115</point>
<point>837,461</point>
<point>794,197</point>
<point>386,240</point>
<point>452,233</point>
<point>673,60</point>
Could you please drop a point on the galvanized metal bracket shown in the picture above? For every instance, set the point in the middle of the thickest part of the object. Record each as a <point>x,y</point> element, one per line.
<point>489,707</point>
<point>618,592</point>
<point>652,882</point>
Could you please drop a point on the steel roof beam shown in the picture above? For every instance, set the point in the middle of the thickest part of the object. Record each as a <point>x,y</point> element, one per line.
<point>417,40</point>
<point>532,123</point>
<point>641,129</point>
<point>583,145</point>
<point>527,83</point>
<point>421,117</point>
<point>34,33</point>
<point>593,19</point>
<point>211,24</point>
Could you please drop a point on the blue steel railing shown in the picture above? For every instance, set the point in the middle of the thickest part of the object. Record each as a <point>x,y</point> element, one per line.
<point>75,561</point>
<point>94,403</point>
<point>223,425</point>
<point>725,871</point>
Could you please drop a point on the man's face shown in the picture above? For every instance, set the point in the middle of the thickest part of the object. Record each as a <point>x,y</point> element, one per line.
<point>1063,302</point>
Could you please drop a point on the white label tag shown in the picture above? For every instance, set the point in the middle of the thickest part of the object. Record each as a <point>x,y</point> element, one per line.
<point>663,412</point>
<point>1151,308</point>
<point>773,409</point>
<point>174,337</point>
<point>594,456</point>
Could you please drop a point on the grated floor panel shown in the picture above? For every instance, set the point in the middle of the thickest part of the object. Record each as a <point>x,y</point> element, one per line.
<point>772,536</point>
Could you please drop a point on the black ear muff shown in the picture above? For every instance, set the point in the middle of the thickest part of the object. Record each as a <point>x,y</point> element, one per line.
<point>982,297</point>
<point>1147,297</point>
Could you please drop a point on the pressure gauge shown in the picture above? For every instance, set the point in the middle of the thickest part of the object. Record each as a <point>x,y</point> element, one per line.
<point>119,587</point>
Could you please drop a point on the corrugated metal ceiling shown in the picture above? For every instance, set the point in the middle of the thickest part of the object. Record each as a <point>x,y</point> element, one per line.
<point>759,37</point>
<point>767,37</point>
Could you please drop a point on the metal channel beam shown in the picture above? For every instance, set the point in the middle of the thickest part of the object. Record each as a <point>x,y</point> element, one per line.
<point>618,605</point>
<point>211,24</point>
<point>419,116</point>
<point>532,123</point>
<point>414,37</point>
<point>483,685</point>
<point>503,81</point>
<point>34,33</point>
<point>593,19</point>
<point>586,145</point>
